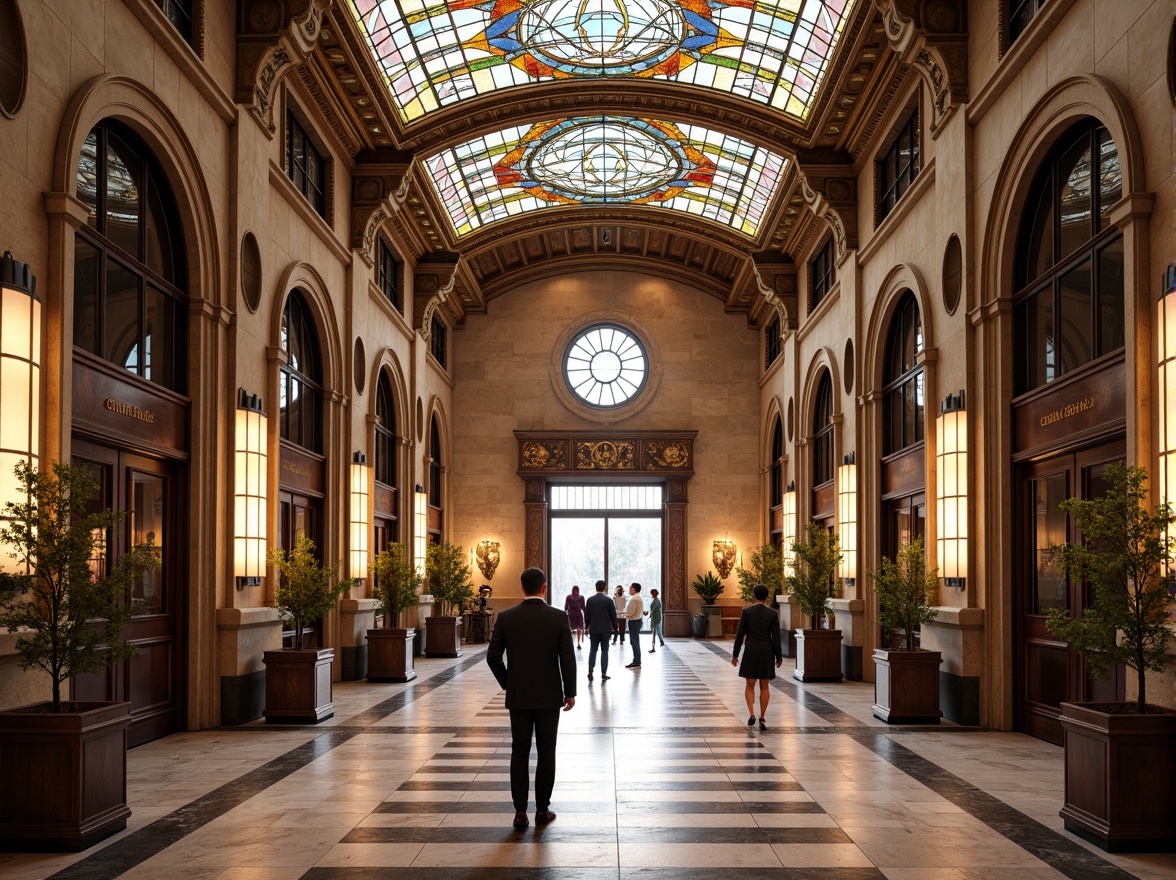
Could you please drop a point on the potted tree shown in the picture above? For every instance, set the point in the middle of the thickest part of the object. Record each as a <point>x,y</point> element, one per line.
<point>298,679</point>
<point>1120,757</point>
<point>818,651</point>
<point>449,582</point>
<point>767,568</point>
<point>396,582</point>
<point>709,588</point>
<point>906,687</point>
<point>64,763</point>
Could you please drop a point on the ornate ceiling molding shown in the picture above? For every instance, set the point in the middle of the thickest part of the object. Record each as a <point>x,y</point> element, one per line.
<point>436,278</point>
<point>380,184</point>
<point>931,36</point>
<point>776,282</point>
<point>830,193</point>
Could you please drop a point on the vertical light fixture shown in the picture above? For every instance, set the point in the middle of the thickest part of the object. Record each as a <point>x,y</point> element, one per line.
<point>420,525</point>
<point>951,490</point>
<point>249,491</point>
<point>1166,328</point>
<point>788,527</point>
<point>723,556</point>
<point>360,516</point>
<point>847,518</point>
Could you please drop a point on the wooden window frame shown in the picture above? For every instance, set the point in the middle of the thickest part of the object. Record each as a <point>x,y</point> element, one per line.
<point>889,191</point>
<point>317,194</point>
<point>898,383</point>
<point>388,272</point>
<point>823,427</point>
<point>439,341</point>
<point>772,345</point>
<point>822,273</point>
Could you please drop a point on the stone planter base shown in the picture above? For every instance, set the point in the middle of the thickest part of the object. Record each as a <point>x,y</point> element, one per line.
<point>906,689</point>
<point>298,686</point>
<point>65,777</point>
<point>1119,773</point>
<point>818,655</point>
<point>390,656</point>
<point>443,637</point>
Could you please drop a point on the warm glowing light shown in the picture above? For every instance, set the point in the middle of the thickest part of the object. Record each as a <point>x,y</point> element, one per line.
<point>951,490</point>
<point>489,553</point>
<point>361,518</point>
<point>420,530</point>
<point>788,531</point>
<point>20,381</point>
<point>723,556</point>
<point>847,518</point>
<point>249,492</point>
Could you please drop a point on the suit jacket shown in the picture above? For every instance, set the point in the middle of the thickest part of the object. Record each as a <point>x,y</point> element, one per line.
<point>600,615</point>
<point>537,642</point>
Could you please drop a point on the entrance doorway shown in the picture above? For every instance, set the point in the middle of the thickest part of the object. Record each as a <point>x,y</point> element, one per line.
<point>1049,672</point>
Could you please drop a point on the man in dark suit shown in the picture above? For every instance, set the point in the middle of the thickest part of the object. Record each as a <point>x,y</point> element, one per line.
<point>600,619</point>
<point>540,679</point>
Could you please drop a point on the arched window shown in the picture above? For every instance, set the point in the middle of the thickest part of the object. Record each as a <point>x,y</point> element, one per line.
<point>777,464</point>
<point>300,390</point>
<point>130,273</point>
<point>903,392</point>
<point>434,464</point>
<point>1069,260</point>
<point>385,433</point>
<point>823,432</point>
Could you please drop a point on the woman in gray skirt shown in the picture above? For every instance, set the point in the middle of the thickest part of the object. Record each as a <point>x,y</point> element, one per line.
<point>760,625</point>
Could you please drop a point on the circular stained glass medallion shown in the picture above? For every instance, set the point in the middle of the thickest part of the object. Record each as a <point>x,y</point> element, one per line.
<point>605,366</point>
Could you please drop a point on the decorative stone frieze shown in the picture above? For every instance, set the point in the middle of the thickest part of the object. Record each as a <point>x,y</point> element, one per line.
<point>931,36</point>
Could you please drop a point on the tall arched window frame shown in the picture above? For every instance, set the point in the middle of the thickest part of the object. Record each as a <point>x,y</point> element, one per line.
<point>300,389</point>
<point>777,464</point>
<point>1069,260</point>
<point>434,463</point>
<point>823,432</point>
<point>903,395</point>
<point>130,268</point>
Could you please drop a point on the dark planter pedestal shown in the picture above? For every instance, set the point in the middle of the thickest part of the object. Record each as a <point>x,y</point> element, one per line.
<point>1119,773</point>
<point>298,686</point>
<point>390,655</point>
<point>818,655</point>
<point>65,777</point>
<point>442,636</point>
<point>906,689</point>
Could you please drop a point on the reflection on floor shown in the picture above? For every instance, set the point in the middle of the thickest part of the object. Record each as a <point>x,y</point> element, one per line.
<point>658,779</point>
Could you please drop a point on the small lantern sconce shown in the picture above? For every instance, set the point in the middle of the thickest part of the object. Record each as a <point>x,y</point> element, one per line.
<point>951,489</point>
<point>723,556</point>
<point>420,538</point>
<point>360,516</point>
<point>488,556</point>
<point>788,527</point>
<point>847,518</point>
<point>249,492</point>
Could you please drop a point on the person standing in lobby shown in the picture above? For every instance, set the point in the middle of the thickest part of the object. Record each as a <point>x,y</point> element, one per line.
<point>634,611</point>
<point>600,618</point>
<point>540,678</point>
<point>619,601</point>
<point>760,625</point>
<point>574,606</point>
<point>655,621</point>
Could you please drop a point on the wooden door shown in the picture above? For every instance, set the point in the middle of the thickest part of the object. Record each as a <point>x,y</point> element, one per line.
<point>300,516</point>
<point>904,520</point>
<point>1048,671</point>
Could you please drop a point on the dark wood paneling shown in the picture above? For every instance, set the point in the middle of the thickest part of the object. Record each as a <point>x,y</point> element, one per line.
<point>300,471</point>
<point>905,473</point>
<point>824,500</point>
<point>127,410</point>
<point>384,501</point>
<point>1069,412</point>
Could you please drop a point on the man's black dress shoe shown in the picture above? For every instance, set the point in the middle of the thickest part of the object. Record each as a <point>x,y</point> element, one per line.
<point>520,820</point>
<point>544,816</point>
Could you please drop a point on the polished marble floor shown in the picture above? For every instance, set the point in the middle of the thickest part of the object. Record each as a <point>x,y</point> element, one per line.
<point>658,779</point>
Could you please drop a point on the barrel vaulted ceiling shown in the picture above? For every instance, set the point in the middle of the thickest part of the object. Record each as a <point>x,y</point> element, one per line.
<point>706,140</point>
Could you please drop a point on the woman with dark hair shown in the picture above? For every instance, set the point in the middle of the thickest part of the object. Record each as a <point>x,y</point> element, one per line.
<point>574,606</point>
<point>760,625</point>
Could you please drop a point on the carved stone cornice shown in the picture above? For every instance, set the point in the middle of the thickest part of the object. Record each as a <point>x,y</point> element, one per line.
<point>830,192</point>
<point>434,279</point>
<point>380,183</point>
<point>932,37</point>
<point>273,37</point>
<point>775,280</point>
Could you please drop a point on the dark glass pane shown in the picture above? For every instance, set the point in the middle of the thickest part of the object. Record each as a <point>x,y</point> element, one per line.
<point>122,317</point>
<point>1110,177</point>
<point>122,195</point>
<point>1037,236</point>
<point>86,297</point>
<point>165,340</point>
<point>87,179</point>
<point>892,422</point>
<point>1036,357</point>
<point>1049,531</point>
<point>1110,297</point>
<point>311,409</point>
<point>148,509</point>
<point>920,406</point>
<point>159,256</point>
<point>1075,196</point>
<point>1076,320</point>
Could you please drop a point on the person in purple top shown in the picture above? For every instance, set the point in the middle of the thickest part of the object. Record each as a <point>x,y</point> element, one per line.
<point>574,606</point>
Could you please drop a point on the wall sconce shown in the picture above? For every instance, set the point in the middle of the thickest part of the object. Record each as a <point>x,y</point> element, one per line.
<point>1166,327</point>
<point>488,557</point>
<point>420,511</point>
<point>847,518</point>
<point>788,527</point>
<point>361,516</point>
<point>723,556</point>
<point>951,490</point>
<point>249,492</point>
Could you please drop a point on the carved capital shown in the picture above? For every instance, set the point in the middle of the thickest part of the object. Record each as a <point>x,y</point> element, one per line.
<point>831,194</point>
<point>379,187</point>
<point>931,36</point>
<point>434,279</point>
<point>775,280</point>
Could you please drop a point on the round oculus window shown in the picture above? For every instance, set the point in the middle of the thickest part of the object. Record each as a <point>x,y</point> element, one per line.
<point>605,366</point>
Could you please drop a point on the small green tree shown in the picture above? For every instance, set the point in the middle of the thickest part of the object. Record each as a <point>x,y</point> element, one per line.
<point>708,587</point>
<point>905,591</point>
<point>396,581</point>
<point>1124,557</point>
<point>814,562</point>
<point>767,568</point>
<point>448,577</point>
<point>305,588</point>
<point>70,622</point>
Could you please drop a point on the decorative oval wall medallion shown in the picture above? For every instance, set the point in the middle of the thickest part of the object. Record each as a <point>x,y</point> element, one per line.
<point>848,366</point>
<point>250,271</point>
<point>953,274</point>
<point>358,362</point>
<point>14,68</point>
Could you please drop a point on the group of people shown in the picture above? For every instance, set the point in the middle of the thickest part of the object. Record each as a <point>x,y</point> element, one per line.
<point>540,679</point>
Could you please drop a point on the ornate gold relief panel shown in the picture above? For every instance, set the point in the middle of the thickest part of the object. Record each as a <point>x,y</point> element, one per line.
<point>542,455</point>
<point>650,452</point>
<point>604,455</point>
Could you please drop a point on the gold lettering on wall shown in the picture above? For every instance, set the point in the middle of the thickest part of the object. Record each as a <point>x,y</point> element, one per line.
<point>1065,412</point>
<point>128,410</point>
<point>296,469</point>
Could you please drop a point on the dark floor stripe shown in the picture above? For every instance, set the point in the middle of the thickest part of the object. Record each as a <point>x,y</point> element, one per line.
<point>563,873</point>
<point>556,833</point>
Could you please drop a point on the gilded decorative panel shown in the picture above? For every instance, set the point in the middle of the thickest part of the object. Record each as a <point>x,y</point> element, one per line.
<point>605,455</point>
<point>666,454</point>
<point>545,455</point>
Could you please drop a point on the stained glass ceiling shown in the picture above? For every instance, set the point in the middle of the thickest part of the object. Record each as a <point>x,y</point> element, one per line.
<point>606,160</point>
<point>435,54</point>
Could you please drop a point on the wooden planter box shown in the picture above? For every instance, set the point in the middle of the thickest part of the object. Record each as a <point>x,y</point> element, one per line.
<point>65,777</point>
<point>818,655</point>
<point>906,689</point>
<point>1120,778</point>
<point>390,655</point>
<point>298,686</point>
<point>442,636</point>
